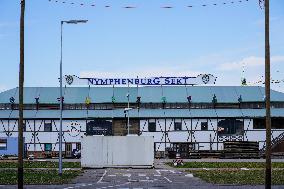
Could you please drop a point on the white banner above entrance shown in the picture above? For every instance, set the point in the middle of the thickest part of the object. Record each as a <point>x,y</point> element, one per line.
<point>151,81</point>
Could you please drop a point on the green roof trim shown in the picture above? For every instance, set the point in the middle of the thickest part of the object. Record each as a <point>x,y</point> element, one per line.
<point>172,94</point>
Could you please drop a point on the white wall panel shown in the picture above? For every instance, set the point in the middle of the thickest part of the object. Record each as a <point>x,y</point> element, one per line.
<point>30,147</point>
<point>29,125</point>
<point>214,146</point>
<point>186,124</point>
<point>161,146</point>
<point>203,136</point>
<point>56,125</point>
<point>178,136</point>
<point>14,134</point>
<point>220,146</point>
<point>55,146</point>
<point>256,135</point>
<point>261,145</point>
<point>83,125</point>
<point>3,134</point>
<point>143,125</point>
<point>157,136</point>
<point>248,124</point>
<point>47,137</point>
<point>196,123</point>
<point>28,137</point>
<point>170,124</point>
<point>13,125</point>
<point>4,125</point>
<point>73,146</point>
<point>39,125</point>
<point>70,138</point>
<point>160,124</point>
<point>212,124</point>
<point>39,147</point>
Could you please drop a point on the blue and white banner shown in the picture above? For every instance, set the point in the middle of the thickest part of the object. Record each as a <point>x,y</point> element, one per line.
<point>151,81</point>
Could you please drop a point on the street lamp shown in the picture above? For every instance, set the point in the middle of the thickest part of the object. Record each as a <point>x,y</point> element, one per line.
<point>61,93</point>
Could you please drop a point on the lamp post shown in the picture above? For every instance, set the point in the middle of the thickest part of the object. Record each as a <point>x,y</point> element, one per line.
<point>61,93</point>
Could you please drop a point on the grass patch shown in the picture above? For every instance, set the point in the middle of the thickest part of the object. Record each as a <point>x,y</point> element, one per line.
<point>9,177</point>
<point>228,165</point>
<point>40,164</point>
<point>251,177</point>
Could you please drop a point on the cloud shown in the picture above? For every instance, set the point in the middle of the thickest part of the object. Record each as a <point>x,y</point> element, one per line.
<point>275,59</point>
<point>3,88</point>
<point>251,61</point>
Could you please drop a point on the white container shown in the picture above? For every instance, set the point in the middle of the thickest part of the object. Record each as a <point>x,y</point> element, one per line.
<point>117,151</point>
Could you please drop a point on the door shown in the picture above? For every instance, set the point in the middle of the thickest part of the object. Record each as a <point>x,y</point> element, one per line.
<point>68,150</point>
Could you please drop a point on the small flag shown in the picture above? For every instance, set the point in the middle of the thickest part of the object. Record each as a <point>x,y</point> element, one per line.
<point>88,101</point>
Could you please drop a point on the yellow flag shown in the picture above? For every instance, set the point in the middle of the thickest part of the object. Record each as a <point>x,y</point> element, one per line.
<point>88,100</point>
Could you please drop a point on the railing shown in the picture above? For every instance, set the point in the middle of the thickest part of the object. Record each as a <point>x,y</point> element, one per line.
<point>274,142</point>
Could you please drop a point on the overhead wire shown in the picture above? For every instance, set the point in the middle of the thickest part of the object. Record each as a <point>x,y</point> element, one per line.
<point>162,6</point>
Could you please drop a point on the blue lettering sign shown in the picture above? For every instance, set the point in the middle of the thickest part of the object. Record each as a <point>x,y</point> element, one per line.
<point>200,79</point>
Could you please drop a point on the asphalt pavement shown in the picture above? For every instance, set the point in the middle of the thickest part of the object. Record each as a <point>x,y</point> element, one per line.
<point>162,177</point>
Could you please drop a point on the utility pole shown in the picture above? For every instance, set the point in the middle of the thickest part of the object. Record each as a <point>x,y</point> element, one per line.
<point>21,99</point>
<point>267,99</point>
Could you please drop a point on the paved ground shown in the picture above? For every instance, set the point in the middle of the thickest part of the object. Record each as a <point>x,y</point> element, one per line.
<point>138,179</point>
<point>163,177</point>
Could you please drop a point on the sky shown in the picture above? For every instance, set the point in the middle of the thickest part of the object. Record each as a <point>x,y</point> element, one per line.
<point>148,40</point>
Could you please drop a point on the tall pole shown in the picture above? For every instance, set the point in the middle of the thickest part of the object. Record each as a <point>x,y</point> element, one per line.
<point>61,93</point>
<point>61,106</point>
<point>21,99</point>
<point>128,121</point>
<point>267,94</point>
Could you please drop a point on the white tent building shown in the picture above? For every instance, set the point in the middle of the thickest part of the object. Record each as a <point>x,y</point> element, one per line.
<point>202,117</point>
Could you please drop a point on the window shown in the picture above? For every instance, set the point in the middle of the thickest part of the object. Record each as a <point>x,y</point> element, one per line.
<point>177,125</point>
<point>276,123</point>
<point>3,144</point>
<point>204,126</point>
<point>47,147</point>
<point>99,127</point>
<point>230,126</point>
<point>152,126</point>
<point>259,124</point>
<point>47,126</point>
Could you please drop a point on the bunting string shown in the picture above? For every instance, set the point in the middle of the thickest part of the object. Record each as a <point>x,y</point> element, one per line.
<point>134,7</point>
